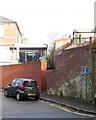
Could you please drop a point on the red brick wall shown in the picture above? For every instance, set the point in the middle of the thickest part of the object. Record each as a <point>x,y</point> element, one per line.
<point>68,64</point>
<point>43,76</point>
<point>28,70</point>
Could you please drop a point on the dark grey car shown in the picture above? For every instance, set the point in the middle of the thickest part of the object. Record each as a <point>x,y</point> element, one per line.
<point>21,88</point>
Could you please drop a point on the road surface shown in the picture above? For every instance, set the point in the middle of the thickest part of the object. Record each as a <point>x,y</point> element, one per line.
<point>30,108</point>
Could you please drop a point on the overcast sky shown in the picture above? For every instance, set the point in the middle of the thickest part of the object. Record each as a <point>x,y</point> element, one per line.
<point>38,20</point>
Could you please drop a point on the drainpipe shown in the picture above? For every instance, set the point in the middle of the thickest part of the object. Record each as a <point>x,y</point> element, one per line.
<point>18,53</point>
<point>80,39</point>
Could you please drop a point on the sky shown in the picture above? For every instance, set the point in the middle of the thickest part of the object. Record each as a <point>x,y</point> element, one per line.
<point>41,21</point>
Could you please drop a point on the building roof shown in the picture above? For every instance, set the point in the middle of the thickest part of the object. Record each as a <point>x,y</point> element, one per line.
<point>30,46</point>
<point>4,20</point>
<point>84,31</point>
<point>63,39</point>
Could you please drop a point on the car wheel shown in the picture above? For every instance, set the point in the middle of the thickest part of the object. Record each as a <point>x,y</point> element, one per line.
<point>18,97</point>
<point>6,93</point>
<point>36,98</point>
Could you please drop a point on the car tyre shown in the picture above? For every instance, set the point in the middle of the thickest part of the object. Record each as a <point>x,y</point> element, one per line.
<point>36,98</point>
<point>18,97</point>
<point>6,93</point>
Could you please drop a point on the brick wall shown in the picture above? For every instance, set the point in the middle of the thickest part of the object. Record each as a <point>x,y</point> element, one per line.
<point>28,70</point>
<point>43,75</point>
<point>10,34</point>
<point>66,78</point>
<point>59,43</point>
<point>10,30</point>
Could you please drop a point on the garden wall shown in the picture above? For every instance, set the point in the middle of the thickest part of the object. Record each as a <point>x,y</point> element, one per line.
<point>34,70</point>
<point>67,79</point>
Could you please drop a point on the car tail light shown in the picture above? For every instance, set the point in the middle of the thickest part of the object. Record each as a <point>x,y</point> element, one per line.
<point>22,85</point>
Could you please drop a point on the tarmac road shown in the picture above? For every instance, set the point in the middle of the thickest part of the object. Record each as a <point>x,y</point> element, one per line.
<point>11,108</point>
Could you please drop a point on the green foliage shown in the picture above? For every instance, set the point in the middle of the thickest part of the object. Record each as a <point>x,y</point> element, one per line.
<point>50,57</point>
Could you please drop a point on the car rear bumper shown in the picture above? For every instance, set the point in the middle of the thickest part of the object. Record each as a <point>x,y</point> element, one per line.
<point>29,95</point>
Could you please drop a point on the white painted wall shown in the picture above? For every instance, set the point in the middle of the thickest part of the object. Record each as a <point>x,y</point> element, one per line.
<point>5,56</point>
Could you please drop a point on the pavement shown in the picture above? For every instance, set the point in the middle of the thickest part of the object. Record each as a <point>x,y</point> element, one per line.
<point>72,104</point>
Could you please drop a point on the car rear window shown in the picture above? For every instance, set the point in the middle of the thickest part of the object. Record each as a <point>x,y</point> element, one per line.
<point>30,83</point>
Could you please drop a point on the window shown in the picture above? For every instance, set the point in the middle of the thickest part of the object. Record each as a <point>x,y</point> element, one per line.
<point>5,54</point>
<point>18,82</point>
<point>30,84</point>
<point>1,31</point>
<point>12,82</point>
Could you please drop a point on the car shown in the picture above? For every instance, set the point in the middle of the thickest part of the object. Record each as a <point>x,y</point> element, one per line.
<point>22,88</point>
